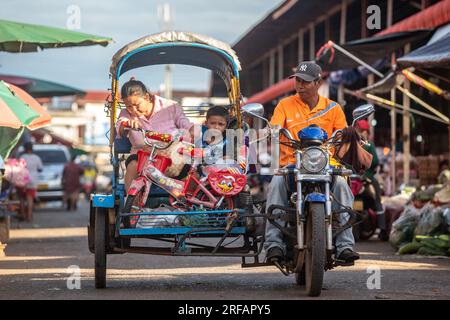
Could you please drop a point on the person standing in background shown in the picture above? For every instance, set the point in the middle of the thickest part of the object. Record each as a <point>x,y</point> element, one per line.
<point>28,193</point>
<point>71,182</point>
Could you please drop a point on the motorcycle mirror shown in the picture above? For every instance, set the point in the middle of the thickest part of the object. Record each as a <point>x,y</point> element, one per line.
<point>362,112</point>
<point>255,110</point>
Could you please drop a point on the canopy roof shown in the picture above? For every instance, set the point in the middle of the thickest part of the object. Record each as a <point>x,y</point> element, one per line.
<point>39,88</point>
<point>370,50</point>
<point>174,47</point>
<point>434,55</point>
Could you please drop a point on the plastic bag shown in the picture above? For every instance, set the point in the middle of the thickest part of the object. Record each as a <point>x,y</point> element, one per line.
<point>403,228</point>
<point>17,173</point>
<point>431,220</point>
<point>446,215</point>
<point>397,202</point>
<point>410,216</point>
<point>157,221</point>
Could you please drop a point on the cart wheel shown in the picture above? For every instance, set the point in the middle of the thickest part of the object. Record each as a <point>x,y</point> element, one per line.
<point>100,248</point>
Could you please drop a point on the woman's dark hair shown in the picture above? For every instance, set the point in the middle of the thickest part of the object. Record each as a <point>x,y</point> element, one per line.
<point>218,111</point>
<point>133,87</point>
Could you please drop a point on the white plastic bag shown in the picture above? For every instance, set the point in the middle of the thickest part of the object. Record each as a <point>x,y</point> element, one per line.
<point>158,221</point>
<point>403,228</point>
<point>431,220</point>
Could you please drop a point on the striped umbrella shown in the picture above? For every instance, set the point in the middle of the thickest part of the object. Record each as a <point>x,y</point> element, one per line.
<point>44,118</point>
<point>15,113</point>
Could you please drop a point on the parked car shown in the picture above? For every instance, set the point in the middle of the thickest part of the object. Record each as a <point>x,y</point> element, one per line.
<point>54,157</point>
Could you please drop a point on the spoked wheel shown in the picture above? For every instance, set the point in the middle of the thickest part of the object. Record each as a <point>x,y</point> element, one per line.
<point>217,220</point>
<point>100,247</point>
<point>315,252</point>
<point>132,204</point>
<point>227,203</point>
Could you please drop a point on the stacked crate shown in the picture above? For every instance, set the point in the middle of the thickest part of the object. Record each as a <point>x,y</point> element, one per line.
<point>428,169</point>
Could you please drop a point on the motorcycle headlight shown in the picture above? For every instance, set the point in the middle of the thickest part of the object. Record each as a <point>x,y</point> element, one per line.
<point>314,160</point>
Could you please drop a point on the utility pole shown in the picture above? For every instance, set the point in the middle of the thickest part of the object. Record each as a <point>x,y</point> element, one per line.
<point>165,20</point>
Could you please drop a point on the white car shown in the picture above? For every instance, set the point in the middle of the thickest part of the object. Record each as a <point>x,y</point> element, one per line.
<point>54,157</point>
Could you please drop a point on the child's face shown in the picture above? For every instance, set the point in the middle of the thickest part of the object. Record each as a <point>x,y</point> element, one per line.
<point>218,123</point>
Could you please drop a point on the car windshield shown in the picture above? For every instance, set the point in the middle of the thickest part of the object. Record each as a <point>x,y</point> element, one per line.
<point>51,156</point>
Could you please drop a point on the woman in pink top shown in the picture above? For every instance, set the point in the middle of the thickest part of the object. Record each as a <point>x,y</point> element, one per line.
<point>150,112</point>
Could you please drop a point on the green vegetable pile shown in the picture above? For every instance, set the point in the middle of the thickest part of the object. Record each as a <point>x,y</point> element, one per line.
<point>428,246</point>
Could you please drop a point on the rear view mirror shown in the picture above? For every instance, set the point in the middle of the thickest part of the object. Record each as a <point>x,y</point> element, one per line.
<point>255,110</point>
<point>362,112</point>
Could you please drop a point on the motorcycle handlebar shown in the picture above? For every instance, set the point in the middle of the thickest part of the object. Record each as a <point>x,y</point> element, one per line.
<point>341,172</point>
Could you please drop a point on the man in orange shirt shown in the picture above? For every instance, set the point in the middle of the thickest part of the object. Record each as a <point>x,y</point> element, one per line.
<point>294,113</point>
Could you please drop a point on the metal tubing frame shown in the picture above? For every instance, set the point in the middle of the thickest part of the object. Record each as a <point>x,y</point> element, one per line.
<point>299,203</point>
<point>328,213</point>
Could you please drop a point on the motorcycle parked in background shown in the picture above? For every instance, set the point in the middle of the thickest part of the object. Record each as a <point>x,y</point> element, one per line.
<point>364,204</point>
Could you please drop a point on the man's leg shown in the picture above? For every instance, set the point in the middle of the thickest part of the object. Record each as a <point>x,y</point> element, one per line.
<point>30,204</point>
<point>344,195</point>
<point>276,194</point>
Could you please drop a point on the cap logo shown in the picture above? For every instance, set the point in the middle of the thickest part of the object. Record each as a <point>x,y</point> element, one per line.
<point>303,67</point>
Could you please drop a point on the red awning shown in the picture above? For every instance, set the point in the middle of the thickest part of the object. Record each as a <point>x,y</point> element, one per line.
<point>430,18</point>
<point>278,89</point>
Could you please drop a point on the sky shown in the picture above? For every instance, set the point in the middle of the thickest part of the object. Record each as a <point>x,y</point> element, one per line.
<point>87,68</point>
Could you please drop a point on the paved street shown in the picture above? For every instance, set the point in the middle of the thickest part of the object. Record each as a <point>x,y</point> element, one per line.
<point>38,255</point>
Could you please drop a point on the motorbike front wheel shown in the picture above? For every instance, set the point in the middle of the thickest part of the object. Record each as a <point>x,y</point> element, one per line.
<point>316,249</point>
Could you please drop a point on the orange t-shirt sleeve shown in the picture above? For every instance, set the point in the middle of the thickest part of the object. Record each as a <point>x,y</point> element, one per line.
<point>339,119</point>
<point>279,116</point>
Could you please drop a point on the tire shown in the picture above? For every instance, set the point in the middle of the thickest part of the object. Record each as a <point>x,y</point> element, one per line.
<point>316,249</point>
<point>129,205</point>
<point>100,248</point>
